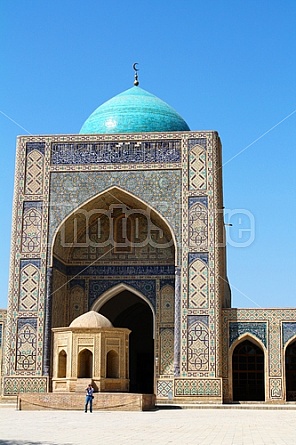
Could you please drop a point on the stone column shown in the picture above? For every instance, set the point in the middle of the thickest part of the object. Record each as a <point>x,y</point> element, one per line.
<point>177,336</point>
<point>47,322</point>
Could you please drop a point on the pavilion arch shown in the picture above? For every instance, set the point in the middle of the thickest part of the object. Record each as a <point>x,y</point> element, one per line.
<point>247,337</point>
<point>112,365</point>
<point>120,196</point>
<point>289,360</point>
<point>62,364</point>
<point>85,364</point>
<point>117,289</point>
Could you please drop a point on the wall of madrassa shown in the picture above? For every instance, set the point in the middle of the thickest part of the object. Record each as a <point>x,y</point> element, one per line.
<point>176,178</point>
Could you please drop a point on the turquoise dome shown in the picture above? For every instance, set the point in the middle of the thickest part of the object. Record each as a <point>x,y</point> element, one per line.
<point>134,111</point>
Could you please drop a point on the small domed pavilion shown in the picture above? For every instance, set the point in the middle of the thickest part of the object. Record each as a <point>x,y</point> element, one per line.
<point>90,350</point>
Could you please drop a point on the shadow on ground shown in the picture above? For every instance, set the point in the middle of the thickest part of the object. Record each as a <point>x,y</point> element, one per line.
<point>26,442</point>
<point>165,407</point>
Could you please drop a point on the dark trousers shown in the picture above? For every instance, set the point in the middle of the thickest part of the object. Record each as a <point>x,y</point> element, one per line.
<point>88,400</point>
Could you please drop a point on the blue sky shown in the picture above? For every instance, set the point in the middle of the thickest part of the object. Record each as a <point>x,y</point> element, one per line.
<point>223,65</point>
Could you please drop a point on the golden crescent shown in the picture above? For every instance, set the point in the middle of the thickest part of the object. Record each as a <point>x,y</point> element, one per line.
<point>135,66</point>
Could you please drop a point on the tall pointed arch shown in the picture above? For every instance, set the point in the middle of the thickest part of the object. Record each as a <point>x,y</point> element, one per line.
<point>76,223</point>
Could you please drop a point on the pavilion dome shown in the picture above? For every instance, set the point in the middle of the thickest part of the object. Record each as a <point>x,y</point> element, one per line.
<point>134,111</point>
<point>91,319</point>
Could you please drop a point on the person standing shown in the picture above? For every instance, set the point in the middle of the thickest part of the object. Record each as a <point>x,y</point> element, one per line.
<point>89,398</point>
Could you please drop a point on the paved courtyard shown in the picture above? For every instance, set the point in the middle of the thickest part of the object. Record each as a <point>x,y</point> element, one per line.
<point>165,426</point>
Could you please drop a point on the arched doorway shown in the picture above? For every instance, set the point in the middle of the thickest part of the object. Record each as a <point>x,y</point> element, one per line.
<point>290,364</point>
<point>127,310</point>
<point>248,372</point>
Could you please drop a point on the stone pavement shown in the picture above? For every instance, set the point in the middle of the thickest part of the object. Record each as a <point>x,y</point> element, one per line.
<point>203,426</point>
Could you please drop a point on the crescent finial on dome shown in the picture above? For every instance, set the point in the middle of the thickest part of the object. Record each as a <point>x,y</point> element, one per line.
<point>136,81</point>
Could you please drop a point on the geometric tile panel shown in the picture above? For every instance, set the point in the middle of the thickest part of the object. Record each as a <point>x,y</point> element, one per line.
<point>198,294</point>
<point>197,168</point>
<point>29,288</point>
<point>167,306</point>
<point>197,387</point>
<point>258,329</point>
<point>198,227</point>
<point>31,235</point>
<point>275,386</point>
<point>34,173</point>
<point>26,344</point>
<point>16,385</point>
<point>198,346</point>
<point>166,350</point>
<point>165,388</point>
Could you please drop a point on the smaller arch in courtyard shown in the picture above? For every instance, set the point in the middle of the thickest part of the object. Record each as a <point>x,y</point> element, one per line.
<point>248,370</point>
<point>290,370</point>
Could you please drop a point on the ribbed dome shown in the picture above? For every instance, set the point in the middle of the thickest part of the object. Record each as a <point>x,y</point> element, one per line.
<point>134,111</point>
<point>91,319</point>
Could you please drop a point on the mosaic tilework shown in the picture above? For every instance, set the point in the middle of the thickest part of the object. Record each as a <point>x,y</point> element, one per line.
<point>275,386</point>
<point>16,385</point>
<point>35,146</point>
<point>201,199</point>
<point>197,387</point>
<point>165,388</point>
<point>159,189</point>
<point>198,346</point>
<point>197,168</point>
<point>146,287</point>
<point>76,303</point>
<point>198,227</point>
<point>31,233</point>
<point>236,329</point>
<point>166,340</point>
<point>203,256</point>
<point>116,152</point>
<point>29,288</point>
<point>59,293</point>
<point>198,285</point>
<point>288,331</point>
<point>34,173</point>
<point>208,198</point>
<point>26,344</point>
<point>167,307</point>
<point>201,141</point>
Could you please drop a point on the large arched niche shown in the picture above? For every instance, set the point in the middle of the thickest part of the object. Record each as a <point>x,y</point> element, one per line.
<point>83,227</point>
<point>114,236</point>
<point>126,307</point>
